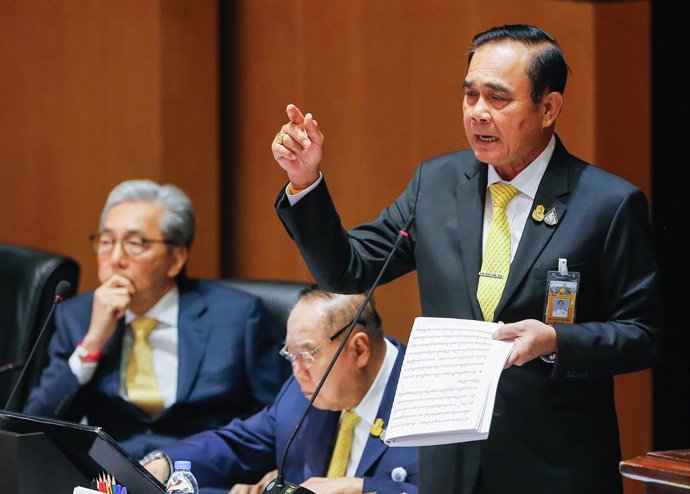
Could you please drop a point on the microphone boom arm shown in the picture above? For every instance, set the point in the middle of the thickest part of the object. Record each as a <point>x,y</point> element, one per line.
<point>63,288</point>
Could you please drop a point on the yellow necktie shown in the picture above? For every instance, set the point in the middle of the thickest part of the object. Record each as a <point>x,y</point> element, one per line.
<point>341,452</point>
<point>142,390</point>
<point>496,260</point>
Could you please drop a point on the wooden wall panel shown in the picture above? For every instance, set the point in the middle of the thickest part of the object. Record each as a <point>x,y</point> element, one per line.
<point>96,92</point>
<point>189,101</point>
<point>384,81</point>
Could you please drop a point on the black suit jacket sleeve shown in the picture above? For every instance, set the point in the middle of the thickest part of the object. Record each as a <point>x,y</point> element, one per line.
<point>348,262</point>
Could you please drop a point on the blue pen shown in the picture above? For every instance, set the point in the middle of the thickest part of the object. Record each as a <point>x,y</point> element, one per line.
<point>118,488</point>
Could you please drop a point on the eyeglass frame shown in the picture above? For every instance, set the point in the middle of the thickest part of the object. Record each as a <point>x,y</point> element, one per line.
<point>308,357</point>
<point>146,242</point>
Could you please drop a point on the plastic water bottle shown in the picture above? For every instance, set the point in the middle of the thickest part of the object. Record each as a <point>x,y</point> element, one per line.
<point>182,481</point>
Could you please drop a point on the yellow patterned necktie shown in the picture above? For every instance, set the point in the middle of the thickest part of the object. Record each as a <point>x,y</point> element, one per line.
<point>341,452</point>
<point>142,389</point>
<point>496,260</point>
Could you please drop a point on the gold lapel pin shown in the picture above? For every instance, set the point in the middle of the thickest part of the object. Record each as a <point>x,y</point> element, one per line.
<point>376,428</point>
<point>538,213</point>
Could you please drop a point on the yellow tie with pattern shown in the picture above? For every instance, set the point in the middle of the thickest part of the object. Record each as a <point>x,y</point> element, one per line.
<point>341,452</point>
<point>496,260</point>
<point>142,389</point>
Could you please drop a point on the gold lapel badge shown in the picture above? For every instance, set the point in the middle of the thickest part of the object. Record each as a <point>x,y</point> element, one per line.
<point>551,217</point>
<point>538,213</point>
<point>376,428</point>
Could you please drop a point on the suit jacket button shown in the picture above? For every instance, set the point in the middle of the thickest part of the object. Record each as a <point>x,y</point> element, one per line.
<point>399,474</point>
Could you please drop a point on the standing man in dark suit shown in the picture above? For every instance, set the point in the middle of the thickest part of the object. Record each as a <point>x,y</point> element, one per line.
<point>362,382</point>
<point>568,227</point>
<point>208,356</point>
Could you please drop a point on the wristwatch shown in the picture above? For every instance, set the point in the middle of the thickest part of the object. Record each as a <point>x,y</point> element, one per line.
<point>83,353</point>
<point>158,455</point>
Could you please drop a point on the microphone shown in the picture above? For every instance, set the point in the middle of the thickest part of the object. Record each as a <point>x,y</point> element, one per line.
<point>11,367</point>
<point>279,485</point>
<point>61,291</point>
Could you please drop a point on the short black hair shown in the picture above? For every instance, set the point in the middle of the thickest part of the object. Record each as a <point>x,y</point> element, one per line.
<point>548,70</point>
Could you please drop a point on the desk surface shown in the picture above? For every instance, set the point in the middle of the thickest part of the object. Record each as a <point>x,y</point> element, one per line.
<point>670,468</point>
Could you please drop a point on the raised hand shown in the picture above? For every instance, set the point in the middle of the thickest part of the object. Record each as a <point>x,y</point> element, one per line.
<point>298,148</point>
<point>110,301</point>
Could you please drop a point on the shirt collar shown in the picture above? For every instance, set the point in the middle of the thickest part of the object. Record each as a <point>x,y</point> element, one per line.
<point>368,408</point>
<point>527,181</point>
<point>165,310</point>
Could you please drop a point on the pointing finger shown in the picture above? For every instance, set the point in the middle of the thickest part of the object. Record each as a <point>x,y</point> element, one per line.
<point>294,114</point>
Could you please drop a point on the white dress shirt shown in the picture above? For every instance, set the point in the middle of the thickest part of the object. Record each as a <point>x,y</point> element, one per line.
<point>518,209</point>
<point>163,340</point>
<point>368,408</point>
<point>294,198</point>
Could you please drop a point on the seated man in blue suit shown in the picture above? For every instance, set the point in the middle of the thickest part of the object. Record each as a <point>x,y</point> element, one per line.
<point>363,381</point>
<point>208,356</point>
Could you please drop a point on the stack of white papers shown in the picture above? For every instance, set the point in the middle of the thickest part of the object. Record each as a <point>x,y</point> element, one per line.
<point>84,490</point>
<point>447,383</point>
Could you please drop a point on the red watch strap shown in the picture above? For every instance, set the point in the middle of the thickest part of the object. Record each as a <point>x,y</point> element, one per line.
<point>84,353</point>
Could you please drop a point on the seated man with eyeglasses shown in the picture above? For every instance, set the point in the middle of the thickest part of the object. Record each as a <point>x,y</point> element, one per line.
<point>359,390</point>
<point>151,355</point>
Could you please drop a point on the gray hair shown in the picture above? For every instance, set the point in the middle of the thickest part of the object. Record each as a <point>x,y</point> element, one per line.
<point>344,307</point>
<point>178,223</point>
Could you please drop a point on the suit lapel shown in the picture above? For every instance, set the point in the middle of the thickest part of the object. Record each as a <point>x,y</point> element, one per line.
<point>375,446</point>
<point>193,333</point>
<point>469,195</point>
<point>317,453</point>
<point>536,235</point>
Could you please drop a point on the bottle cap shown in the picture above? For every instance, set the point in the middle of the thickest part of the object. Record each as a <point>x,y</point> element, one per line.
<point>183,465</point>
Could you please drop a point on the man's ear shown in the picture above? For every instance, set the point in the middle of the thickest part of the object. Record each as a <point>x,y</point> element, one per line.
<point>551,104</point>
<point>361,347</point>
<point>179,255</point>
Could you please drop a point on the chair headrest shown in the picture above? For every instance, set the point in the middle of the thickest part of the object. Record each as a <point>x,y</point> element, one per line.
<point>29,279</point>
<point>278,297</point>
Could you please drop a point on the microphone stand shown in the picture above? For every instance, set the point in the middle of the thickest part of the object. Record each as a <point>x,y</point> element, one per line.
<point>63,288</point>
<point>279,485</point>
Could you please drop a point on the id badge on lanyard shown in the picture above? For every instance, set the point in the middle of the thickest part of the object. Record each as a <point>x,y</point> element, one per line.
<point>561,294</point>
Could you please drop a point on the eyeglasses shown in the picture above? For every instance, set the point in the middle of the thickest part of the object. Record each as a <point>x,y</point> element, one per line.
<point>134,245</point>
<point>307,358</point>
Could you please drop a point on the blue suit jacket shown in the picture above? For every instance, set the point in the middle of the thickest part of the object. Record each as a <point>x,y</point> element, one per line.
<point>228,367</point>
<point>244,450</point>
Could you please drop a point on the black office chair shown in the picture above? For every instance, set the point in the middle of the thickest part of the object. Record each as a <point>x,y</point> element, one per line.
<point>277,296</point>
<point>28,279</point>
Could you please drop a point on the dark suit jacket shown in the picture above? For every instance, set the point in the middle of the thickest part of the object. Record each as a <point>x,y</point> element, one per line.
<point>228,367</point>
<point>245,450</point>
<point>554,427</point>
